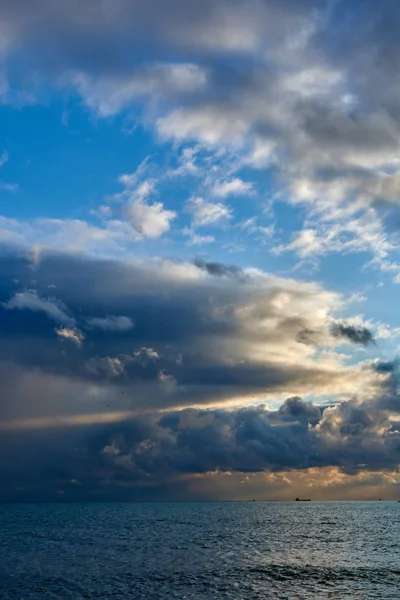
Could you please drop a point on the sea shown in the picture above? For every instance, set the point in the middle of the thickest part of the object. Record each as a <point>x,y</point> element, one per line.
<point>200,550</point>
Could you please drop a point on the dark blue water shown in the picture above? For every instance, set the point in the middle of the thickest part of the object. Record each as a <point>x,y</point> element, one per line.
<point>200,550</point>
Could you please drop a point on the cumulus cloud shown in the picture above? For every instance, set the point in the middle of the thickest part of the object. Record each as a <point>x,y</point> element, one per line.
<point>149,220</point>
<point>343,440</point>
<point>70,333</point>
<point>145,354</point>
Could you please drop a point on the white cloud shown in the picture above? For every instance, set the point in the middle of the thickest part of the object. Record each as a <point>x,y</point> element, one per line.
<point>66,234</point>
<point>210,125</point>
<point>195,239</point>
<point>111,323</point>
<point>166,379</point>
<point>109,94</point>
<point>149,220</point>
<point>261,154</point>
<point>208,213</point>
<point>144,355</point>
<point>72,235</point>
<point>251,225</point>
<point>29,300</point>
<point>70,333</point>
<point>232,187</point>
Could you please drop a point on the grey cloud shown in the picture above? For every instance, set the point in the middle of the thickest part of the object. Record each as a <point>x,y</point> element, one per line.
<point>297,408</point>
<point>386,366</point>
<point>73,35</point>
<point>111,323</point>
<point>356,335</point>
<point>218,269</point>
<point>156,450</point>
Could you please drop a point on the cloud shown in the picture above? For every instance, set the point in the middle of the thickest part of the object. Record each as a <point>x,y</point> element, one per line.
<point>300,111</point>
<point>29,300</point>
<point>195,239</point>
<point>109,94</point>
<point>70,333</point>
<point>224,334</point>
<point>111,323</point>
<point>110,367</point>
<point>208,125</point>
<point>71,235</point>
<point>159,449</point>
<point>145,354</point>
<point>149,220</point>
<point>356,335</point>
<point>208,213</point>
<point>305,91</point>
<point>232,187</point>
<point>182,394</point>
<point>296,408</point>
<point>217,269</point>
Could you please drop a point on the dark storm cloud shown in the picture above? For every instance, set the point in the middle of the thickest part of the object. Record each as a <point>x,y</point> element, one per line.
<point>154,322</point>
<point>147,454</point>
<point>296,408</point>
<point>356,335</point>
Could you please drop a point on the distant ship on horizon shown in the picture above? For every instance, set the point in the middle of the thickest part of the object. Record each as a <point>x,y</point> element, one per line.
<point>303,499</point>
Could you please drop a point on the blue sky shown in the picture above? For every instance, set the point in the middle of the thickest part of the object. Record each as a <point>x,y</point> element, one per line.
<point>199,211</point>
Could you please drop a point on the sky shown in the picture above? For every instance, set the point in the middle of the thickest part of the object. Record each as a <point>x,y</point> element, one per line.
<point>199,249</point>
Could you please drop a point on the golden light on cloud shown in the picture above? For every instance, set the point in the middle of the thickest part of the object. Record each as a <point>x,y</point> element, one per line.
<point>66,420</point>
<point>319,484</point>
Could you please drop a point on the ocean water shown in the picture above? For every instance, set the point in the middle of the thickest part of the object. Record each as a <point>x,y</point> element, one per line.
<point>254,550</point>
